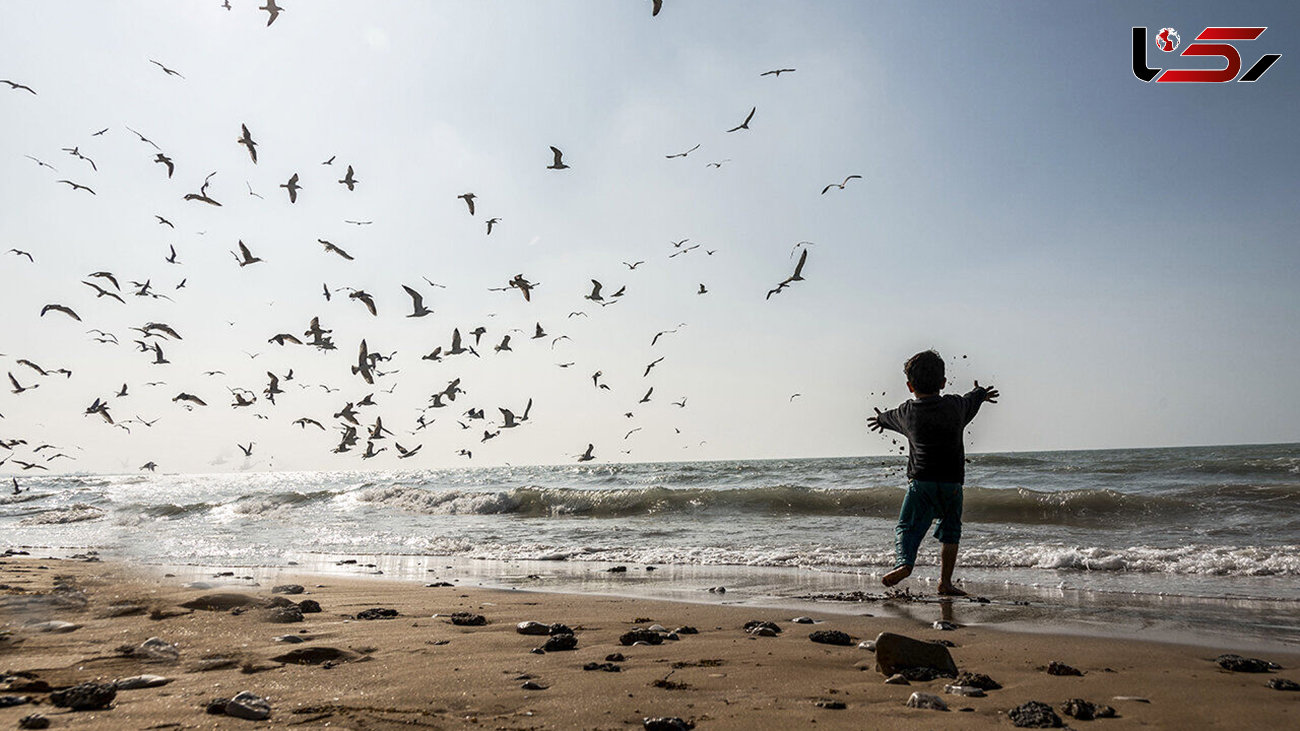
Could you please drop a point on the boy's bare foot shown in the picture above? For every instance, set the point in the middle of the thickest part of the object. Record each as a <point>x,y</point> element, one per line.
<point>897,575</point>
<point>950,590</point>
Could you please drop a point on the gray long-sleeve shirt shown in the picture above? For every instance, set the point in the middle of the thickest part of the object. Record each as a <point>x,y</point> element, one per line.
<point>933,426</point>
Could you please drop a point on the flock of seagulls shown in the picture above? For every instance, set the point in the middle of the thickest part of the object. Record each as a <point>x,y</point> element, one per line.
<point>352,425</point>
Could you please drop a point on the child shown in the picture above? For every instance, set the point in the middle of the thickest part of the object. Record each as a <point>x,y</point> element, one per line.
<point>936,464</point>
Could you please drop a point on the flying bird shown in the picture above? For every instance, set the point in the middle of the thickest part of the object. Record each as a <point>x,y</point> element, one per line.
<point>683,154</point>
<point>41,162</point>
<point>76,152</point>
<point>60,308</point>
<point>248,451</point>
<point>417,302</point>
<point>348,179</point>
<point>490,223</point>
<point>796,277</point>
<point>655,7</point>
<point>20,252</point>
<point>144,139</point>
<point>744,124</point>
<point>273,10</point>
<point>587,456</point>
<point>293,188</point>
<point>330,161</point>
<point>633,265</point>
<point>171,259</point>
<point>558,164</point>
<point>163,159</point>
<point>169,72</point>
<point>103,292</point>
<point>191,398</point>
<point>246,139</point>
<point>77,186</point>
<point>841,185</point>
<point>19,388</point>
<point>15,85</point>
<point>244,257</point>
<point>366,299</point>
<point>776,72</point>
<point>332,249</point>
<point>595,292</point>
<point>652,365</point>
<point>469,201</point>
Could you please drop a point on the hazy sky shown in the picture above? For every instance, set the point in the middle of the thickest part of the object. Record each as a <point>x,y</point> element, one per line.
<point>1119,258</point>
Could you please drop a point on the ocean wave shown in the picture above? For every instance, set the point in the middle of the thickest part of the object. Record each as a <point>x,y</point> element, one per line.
<point>76,513</point>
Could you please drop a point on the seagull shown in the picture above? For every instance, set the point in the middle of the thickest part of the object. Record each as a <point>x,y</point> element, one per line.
<point>595,292</point>
<point>273,10</point>
<point>489,435</point>
<point>559,162</point>
<point>652,365</point>
<point>202,195</point>
<point>60,308</point>
<point>796,277</point>
<point>681,404</point>
<point>161,158</point>
<point>109,276</point>
<point>18,388</point>
<point>587,456</point>
<point>630,433</point>
<point>371,451</point>
<point>794,396</point>
<point>509,418</point>
<point>505,344</point>
<point>633,265</point>
<point>660,334</point>
<point>330,161</point>
<point>347,180</point>
<point>469,201</point>
<point>655,7</point>
<point>363,364</point>
<point>247,256</point>
<point>359,223</point>
<point>248,451</point>
<point>404,453</point>
<point>745,124</point>
<point>702,289</point>
<point>365,298</point>
<point>683,154</point>
<point>151,466</point>
<point>304,421</point>
<point>191,398</point>
<point>19,252</point>
<point>523,285</point>
<point>282,338</point>
<point>540,333</point>
<point>717,164</point>
<point>103,292</point>
<point>332,249</point>
<point>841,185</point>
<point>293,188</point>
<point>144,139</point>
<point>776,72</point>
<point>169,72</point>
<point>490,223</point>
<point>246,139</point>
<point>76,152</point>
<point>76,186</point>
<point>417,302</point>
<point>15,85</point>
<point>646,398</point>
<point>172,259</point>
<point>42,163</point>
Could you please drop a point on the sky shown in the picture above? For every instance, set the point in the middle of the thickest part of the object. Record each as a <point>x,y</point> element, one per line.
<point>1118,258</point>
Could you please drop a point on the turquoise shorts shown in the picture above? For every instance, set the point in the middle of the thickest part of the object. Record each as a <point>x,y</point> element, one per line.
<point>926,501</point>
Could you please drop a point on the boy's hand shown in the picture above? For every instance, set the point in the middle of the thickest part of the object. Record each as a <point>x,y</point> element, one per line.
<point>873,423</point>
<point>990,393</point>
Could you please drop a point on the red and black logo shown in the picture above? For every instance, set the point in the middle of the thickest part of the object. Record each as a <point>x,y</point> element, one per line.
<point>1168,40</point>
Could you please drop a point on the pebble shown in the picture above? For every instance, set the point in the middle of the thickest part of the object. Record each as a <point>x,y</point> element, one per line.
<point>917,659</point>
<point>762,628</point>
<point>667,723</point>
<point>289,639</point>
<point>830,637</point>
<point>248,705</point>
<point>156,649</point>
<point>135,682</point>
<point>284,615</point>
<point>288,589</point>
<point>532,628</point>
<point>217,706</point>
<point>977,680</point>
<point>617,570</point>
<point>868,645</point>
<point>54,626</point>
<point>280,601</point>
<point>85,697</point>
<point>532,685</point>
<point>1133,698</point>
<point>944,625</point>
<point>657,628</point>
<point>608,667</point>
<point>560,642</point>
<point>897,679</point>
<point>123,610</point>
<point>964,690</point>
<point>831,705</point>
<point>927,700</point>
<point>7,701</point>
<point>35,720</point>
<point>639,634</point>
<point>377,613</point>
<point>559,628</point>
<point>686,630</point>
<point>615,657</point>
<point>315,655</point>
<point>1283,684</point>
<point>1086,710</point>
<point>1034,714</point>
<point>309,606</point>
<point>1060,668</point>
<point>1239,664</point>
<point>717,590</point>
<point>468,619</point>
<point>222,602</point>
<point>802,620</point>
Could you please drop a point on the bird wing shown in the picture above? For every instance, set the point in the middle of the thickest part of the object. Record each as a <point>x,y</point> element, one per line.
<point>832,185</point>
<point>416,299</point>
<point>244,250</point>
<point>558,155</point>
<point>798,269</point>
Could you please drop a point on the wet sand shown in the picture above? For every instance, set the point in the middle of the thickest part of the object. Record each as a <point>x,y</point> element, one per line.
<point>420,670</point>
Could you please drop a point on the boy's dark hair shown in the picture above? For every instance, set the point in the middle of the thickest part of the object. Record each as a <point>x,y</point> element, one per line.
<point>925,372</point>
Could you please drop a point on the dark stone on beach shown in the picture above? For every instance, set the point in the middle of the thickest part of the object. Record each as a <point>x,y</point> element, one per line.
<point>1060,668</point>
<point>640,635</point>
<point>608,667</point>
<point>1239,664</point>
<point>944,625</point>
<point>617,570</point>
<point>284,615</point>
<point>538,651</point>
<point>977,680</point>
<point>615,657</point>
<point>309,606</point>
<point>1034,714</point>
<point>1086,710</point>
<point>377,613</point>
<point>945,643</point>
<point>753,625</point>
<point>216,706</point>
<point>686,630</point>
<point>559,629</point>
<point>278,601</point>
<point>315,655</point>
<point>920,674</point>
<point>438,584</point>
<point>532,685</point>
<point>532,628</point>
<point>35,720</point>
<point>123,610</point>
<point>85,697</point>
<point>667,723</point>
<point>899,654</point>
<point>7,701</point>
<point>222,602</point>
<point>1283,684</point>
<point>803,620</point>
<point>560,642</point>
<point>831,705</point>
<point>468,619</point>
<point>288,589</point>
<point>249,706</point>
<point>830,637</point>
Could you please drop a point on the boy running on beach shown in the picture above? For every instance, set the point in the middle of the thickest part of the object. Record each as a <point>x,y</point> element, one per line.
<point>936,464</point>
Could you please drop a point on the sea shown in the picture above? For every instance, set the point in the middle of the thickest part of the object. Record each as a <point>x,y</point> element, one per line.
<point>1189,544</point>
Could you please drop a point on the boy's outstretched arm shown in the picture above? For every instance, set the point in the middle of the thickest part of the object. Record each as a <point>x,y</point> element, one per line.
<point>990,393</point>
<point>977,396</point>
<point>881,421</point>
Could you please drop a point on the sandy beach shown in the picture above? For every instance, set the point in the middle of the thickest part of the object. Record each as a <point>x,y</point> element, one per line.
<point>418,669</point>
